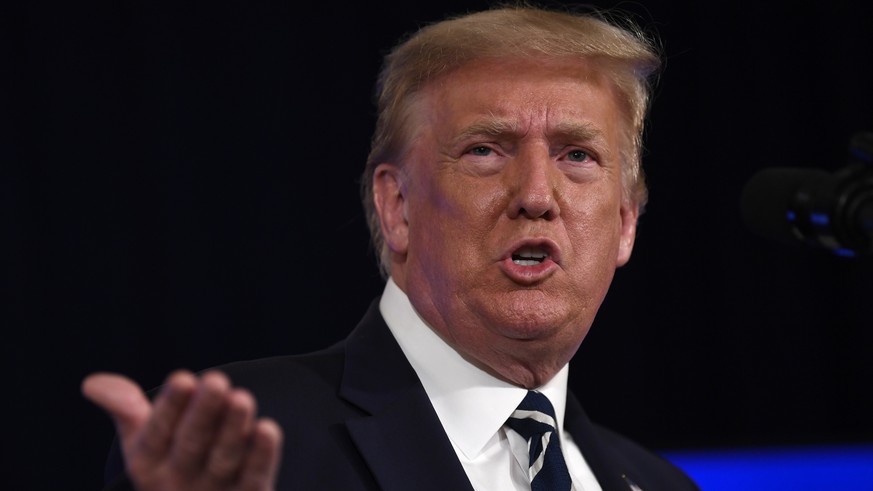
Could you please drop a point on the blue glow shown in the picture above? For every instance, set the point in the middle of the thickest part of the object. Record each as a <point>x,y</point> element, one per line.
<point>819,219</point>
<point>794,468</point>
<point>844,252</point>
<point>791,216</point>
<point>857,152</point>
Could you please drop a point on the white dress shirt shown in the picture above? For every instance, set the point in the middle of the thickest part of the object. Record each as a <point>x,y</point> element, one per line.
<point>473,405</point>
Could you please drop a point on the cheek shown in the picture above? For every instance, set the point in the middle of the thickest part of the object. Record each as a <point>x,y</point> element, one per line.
<point>469,205</point>
<point>596,228</point>
<point>478,198</point>
<point>444,217</point>
<point>457,227</point>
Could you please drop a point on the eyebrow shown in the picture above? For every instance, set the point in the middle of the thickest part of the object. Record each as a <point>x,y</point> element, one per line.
<point>495,127</point>
<point>569,131</point>
<point>585,132</point>
<point>491,127</point>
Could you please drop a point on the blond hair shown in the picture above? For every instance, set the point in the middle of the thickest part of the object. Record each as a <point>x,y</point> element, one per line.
<point>626,55</point>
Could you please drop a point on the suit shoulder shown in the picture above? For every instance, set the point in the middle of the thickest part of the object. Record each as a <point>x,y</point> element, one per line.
<point>325,363</point>
<point>647,470</point>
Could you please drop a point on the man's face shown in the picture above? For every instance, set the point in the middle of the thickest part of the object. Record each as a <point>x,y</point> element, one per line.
<point>507,221</point>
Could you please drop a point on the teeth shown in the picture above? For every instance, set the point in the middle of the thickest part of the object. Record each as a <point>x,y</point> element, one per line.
<point>529,257</point>
<point>525,262</point>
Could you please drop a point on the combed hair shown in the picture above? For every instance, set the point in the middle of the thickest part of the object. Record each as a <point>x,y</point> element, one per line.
<point>624,53</point>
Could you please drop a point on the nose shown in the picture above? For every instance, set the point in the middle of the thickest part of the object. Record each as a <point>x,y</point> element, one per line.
<point>534,181</point>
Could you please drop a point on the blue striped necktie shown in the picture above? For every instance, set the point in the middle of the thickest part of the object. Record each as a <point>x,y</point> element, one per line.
<point>535,421</point>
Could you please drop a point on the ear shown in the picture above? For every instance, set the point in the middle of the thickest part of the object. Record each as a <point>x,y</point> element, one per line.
<point>390,200</point>
<point>630,213</point>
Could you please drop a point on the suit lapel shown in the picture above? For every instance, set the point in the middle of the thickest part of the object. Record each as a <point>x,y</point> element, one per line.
<point>598,456</point>
<point>401,439</point>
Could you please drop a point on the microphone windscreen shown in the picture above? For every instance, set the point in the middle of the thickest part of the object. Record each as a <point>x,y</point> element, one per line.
<point>767,198</point>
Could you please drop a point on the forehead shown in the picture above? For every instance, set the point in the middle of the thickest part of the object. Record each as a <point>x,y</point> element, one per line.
<point>522,93</point>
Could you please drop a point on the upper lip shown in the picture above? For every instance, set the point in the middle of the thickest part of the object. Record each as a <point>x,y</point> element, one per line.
<point>535,245</point>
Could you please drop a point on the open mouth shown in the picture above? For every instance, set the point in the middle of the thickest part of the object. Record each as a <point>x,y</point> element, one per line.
<point>529,256</point>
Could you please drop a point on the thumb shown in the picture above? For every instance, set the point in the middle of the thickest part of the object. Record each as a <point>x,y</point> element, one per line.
<point>122,398</point>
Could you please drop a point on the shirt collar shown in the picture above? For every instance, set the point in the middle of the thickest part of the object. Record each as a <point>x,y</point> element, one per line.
<point>472,404</point>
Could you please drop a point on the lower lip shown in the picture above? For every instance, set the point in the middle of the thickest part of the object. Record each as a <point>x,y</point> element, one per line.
<point>527,275</point>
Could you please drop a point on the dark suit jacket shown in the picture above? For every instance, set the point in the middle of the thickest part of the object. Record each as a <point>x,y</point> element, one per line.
<point>356,417</point>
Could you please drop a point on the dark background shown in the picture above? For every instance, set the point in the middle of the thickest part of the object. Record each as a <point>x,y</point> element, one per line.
<point>179,189</point>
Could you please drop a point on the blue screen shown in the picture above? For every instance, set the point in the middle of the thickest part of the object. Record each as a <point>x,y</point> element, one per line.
<point>796,468</point>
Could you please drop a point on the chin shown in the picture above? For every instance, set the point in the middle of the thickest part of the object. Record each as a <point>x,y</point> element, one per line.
<point>528,366</point>
<point>531,322</point>
<point>532,310</point>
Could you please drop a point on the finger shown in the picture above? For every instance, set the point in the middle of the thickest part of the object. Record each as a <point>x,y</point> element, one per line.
<point>234,437</point>
<point>198,427</point>
<point>122,398</point>
<point>261,467</point>
<point>154,442</point>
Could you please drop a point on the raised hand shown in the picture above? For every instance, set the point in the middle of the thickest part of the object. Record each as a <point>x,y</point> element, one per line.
<point>198,434</point>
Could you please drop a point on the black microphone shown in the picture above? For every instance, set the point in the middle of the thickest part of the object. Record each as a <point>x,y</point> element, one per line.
<point>814,207</point>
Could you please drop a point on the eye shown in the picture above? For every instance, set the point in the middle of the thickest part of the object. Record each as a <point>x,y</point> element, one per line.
<point>577,155</point>
<point>480,151</point>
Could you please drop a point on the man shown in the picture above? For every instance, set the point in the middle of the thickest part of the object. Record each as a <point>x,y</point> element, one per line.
<point>503,190</point>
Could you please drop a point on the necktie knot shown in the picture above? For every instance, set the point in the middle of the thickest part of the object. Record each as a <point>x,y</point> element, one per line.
<point>535,421</point>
